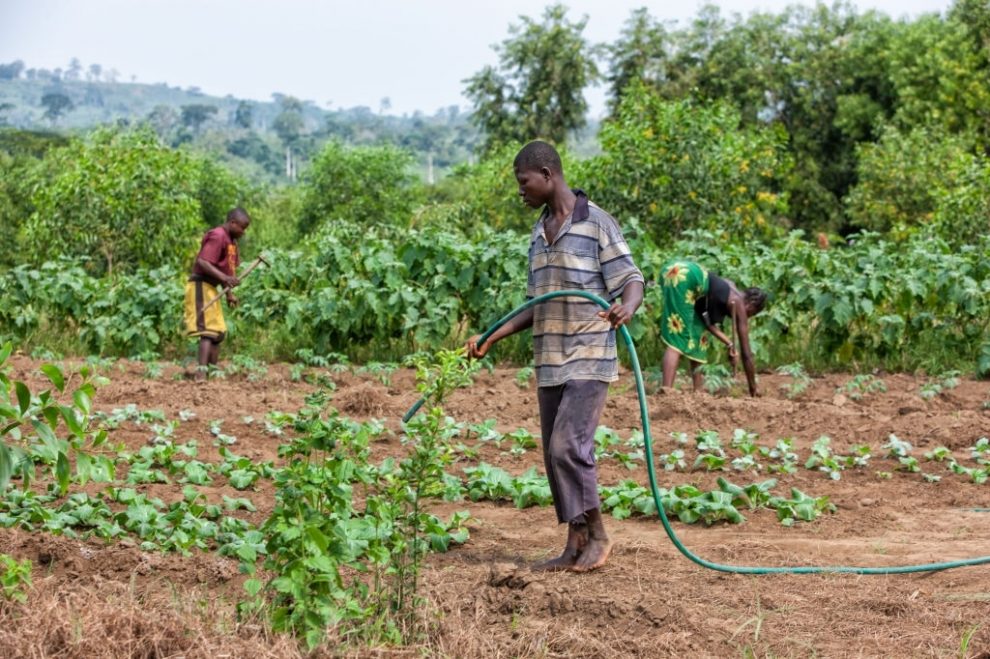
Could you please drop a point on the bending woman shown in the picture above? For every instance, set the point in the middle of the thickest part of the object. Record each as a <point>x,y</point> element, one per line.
<point>694,301</point>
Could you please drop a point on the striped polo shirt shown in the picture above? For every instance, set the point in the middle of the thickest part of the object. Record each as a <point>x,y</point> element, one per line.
<point>570,341</point>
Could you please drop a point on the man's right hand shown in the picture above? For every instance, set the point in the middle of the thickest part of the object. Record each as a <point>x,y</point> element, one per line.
<point>230,281</point>
<point>474,350</point>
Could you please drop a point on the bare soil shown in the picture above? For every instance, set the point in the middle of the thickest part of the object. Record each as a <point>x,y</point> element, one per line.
<point>94,599</point>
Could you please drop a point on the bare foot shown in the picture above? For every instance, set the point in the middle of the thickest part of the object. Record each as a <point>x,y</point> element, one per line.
<point>594,555</point>
<point>577,539</point>
<point>596,552</point>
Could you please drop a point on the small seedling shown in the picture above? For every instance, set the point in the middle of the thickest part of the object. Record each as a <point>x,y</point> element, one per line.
<point>707,441</point>
<point>153,370</point>
<point>717,378</point>
<point>523,377</point>
<point>909,463</point>
<point>673,461</point>
<point>940,384</point>
<point>896,447</point>
<point>522,440</point>
<point>861,386</point>
<point>821,458</point>
<point>15,579</point>
<point>486,431</point>
<point>800,380</point>
<point>380,371</point>
<point>254,369</point>
<point>981,451</point>
<point>939,454</point>
<point>782,452</point>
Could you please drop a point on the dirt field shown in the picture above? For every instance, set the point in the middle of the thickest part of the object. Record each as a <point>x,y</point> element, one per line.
<point>93,599</point>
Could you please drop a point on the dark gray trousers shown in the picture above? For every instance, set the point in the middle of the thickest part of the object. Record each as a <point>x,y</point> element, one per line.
<point>569,415</point>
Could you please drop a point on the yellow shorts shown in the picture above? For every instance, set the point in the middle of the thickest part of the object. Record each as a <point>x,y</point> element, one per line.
<point>209,324</point>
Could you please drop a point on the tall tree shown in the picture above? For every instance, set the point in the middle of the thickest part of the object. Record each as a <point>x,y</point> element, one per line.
<point>288,125</point>
<point>639,54</point>
<point>163,119</point>
<point>196,114</point>
<point>12,70</point>
<point>244,115</point>
<point>56,104</point>
<point>538,89</point>
<point>74,72</point>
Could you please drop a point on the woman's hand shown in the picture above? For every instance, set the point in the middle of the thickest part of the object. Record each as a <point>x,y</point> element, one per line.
<point>733,357</point>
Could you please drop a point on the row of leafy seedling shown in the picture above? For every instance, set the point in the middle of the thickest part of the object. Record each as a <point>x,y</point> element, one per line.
<point>781,458</point>
<point>608,443</point>
<point>336,518</point>
<point>687,502</point>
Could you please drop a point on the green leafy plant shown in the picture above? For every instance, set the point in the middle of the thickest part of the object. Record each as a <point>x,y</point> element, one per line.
<point>939,454</point>
<point>862,385</point>
<point>717,378</point>
<point>710,452</point>
<point>783,453</point>
<point>522,440</point>
<point>822,459</point>
<point>940,384</point>
<point>626,498</point>
<point>30,424</point>
<point>745,442</point>
<point>486,431</point>
<point>800,380</point>
<point>245,365</point>
<point>673,461</point>
<point>15,578</point>
<point>800,507</point>
<point>319,542</point>
<point>896,447</point>
<point>981,451</point>
<point>380,371</point>
<point>523,377</point>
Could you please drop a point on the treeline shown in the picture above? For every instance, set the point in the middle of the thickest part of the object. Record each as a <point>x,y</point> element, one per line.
<point>842,89</point>
<point>269,142</point>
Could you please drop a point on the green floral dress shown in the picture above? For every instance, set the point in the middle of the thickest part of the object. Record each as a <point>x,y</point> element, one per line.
<point>680,327</point>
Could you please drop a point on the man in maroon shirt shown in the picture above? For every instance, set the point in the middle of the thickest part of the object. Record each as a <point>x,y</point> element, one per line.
<point>215,265</point>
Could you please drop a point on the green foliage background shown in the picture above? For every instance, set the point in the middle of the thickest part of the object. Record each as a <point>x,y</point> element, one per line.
<point>836,158</point>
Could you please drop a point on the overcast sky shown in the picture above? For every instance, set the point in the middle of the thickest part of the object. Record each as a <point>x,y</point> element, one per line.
<point>334,52</point>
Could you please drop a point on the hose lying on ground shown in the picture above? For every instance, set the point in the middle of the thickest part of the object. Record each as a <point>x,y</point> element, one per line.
<point>648,441</point>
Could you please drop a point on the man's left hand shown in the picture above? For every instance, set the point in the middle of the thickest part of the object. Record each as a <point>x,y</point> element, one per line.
<point>617,315</point>
<point>232,300</point>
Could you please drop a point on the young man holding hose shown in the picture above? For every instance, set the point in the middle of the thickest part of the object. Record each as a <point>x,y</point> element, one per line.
<point>574,245</point>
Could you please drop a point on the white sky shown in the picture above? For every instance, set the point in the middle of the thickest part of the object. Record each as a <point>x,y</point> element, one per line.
<point>334,52</point>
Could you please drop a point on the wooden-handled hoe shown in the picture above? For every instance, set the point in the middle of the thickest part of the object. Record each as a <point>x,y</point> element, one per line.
<point>254,264</point>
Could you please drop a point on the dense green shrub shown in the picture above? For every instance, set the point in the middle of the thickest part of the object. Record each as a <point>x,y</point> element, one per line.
<point>119,198</point>
<point>906,176</point>
<point>368,185</point>
<point>680,165</point>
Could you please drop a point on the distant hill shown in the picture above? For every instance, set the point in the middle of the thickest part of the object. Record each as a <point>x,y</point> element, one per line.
<point>248,135</point>
<point>95,103</point>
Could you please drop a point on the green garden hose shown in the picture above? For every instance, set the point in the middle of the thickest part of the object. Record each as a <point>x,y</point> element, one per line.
<point>648,441</point>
